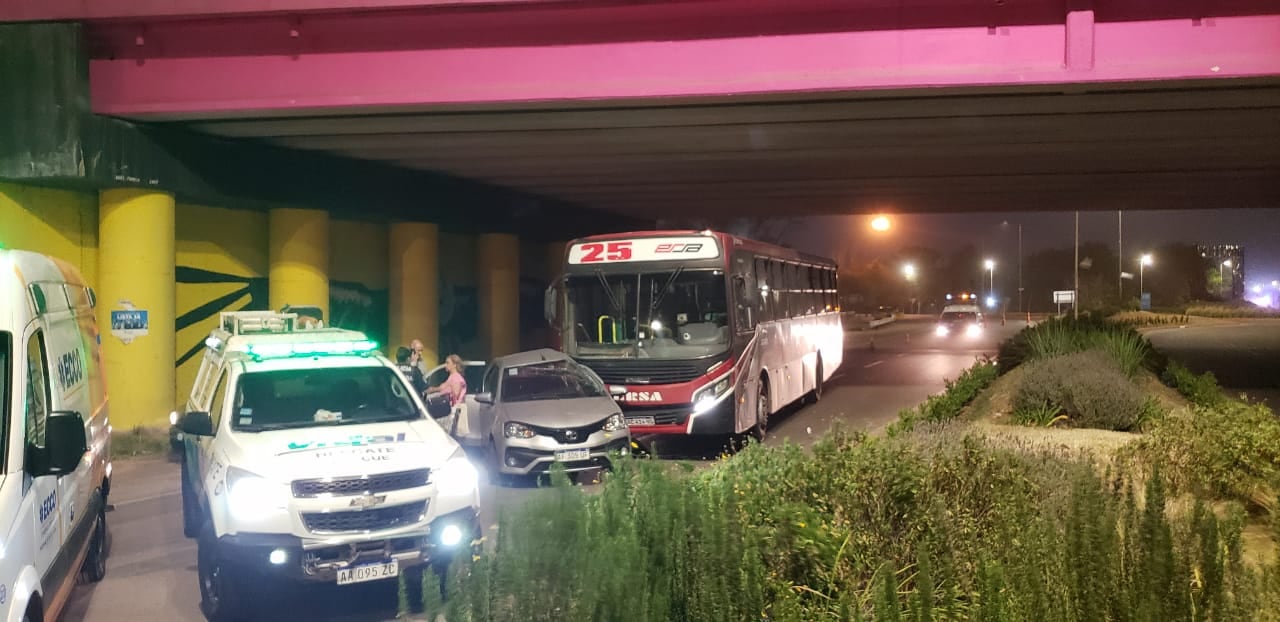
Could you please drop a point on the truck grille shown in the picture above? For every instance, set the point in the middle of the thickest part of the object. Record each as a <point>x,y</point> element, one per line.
<point>365,520</point>
<point>647,372</point>
<point>360,485</point>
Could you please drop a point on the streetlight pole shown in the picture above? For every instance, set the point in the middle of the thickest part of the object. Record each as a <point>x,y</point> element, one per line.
<point>1020,309</point>
<point>1075,305</point>
<point>1143,262</point>
<point>990,265</point>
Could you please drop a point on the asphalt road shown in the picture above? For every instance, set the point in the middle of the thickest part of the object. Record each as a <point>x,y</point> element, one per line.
<point>151,570</point>
<point>1243,354</point>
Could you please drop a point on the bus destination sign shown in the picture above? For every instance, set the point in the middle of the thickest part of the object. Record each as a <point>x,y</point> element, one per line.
<point>644,249</point>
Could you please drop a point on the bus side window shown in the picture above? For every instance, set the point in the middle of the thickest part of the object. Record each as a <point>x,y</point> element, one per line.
<point>763,284</point>
<point>777,289</point>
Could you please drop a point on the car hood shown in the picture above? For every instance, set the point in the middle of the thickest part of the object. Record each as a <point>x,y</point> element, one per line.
<point>560,413</point>
<point>316,452</point>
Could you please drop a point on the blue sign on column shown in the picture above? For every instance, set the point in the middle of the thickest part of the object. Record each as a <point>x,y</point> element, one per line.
<point>129,324</point>
<point>1146,301</point>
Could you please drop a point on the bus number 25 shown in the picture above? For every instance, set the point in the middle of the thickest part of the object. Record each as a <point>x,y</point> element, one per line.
<point>613,251</point>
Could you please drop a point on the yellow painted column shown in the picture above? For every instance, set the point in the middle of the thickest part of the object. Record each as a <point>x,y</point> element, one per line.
<point>298,242</point>
<point>414,296</point>
<point>498,277</point>
<point>136,272</point>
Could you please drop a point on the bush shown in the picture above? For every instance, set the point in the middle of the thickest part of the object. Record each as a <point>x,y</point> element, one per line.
<point>1058,337</point>
<point>1228,310</point>
<point>955,396</point>
<point>931,526</point>
<point>1147,318</point>
<point>1087,387</point>
<point>1226,449</point>
<point>1202,390</point>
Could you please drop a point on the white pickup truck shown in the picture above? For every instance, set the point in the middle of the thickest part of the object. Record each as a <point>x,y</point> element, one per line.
<point>309,457</point>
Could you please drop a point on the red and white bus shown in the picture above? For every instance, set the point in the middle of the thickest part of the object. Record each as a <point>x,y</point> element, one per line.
<point>707,332</point>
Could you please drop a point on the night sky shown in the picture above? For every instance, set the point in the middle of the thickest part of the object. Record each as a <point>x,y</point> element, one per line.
<point>1257,229</point>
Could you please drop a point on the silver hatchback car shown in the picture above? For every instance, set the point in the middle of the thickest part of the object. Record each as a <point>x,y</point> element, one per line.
<point>541,407</point>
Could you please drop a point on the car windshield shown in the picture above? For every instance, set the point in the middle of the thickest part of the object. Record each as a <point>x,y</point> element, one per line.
<point>554,380</point>
<point>679,314</point>
<point>302,398</point>
<point>959,316</point>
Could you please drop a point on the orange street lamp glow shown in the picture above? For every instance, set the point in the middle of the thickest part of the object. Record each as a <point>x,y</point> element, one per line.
<point>880,223</point>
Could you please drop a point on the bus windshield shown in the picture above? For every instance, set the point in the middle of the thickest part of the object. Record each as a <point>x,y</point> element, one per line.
<point>678,314</point>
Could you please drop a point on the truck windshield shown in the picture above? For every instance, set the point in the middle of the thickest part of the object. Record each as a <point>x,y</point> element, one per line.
<point>301,398</point>
<point>679,314</point>
<point>555,380</point>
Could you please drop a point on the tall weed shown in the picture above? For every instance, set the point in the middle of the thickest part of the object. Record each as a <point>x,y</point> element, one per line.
<point>1059,337</point>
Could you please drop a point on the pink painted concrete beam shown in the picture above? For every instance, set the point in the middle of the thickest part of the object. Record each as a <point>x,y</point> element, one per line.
<point>88,10</point>
<point>1079,49</point>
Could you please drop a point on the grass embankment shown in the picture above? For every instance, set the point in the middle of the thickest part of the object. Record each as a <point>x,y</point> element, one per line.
<point>936,520</point>
<point>139,442</point>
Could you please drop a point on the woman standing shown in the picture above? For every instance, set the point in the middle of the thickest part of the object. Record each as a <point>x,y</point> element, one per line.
<point>455,386</point>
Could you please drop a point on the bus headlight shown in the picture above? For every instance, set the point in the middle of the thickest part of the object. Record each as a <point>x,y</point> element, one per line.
<point>710,395</point>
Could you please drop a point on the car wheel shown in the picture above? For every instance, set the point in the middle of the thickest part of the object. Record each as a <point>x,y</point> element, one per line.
<point>761,429</point>
<point>221,593</point>
<point>95,562</point>
<point>190,506</point>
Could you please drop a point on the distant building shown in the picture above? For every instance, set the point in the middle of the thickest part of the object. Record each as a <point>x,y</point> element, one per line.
<point>1228,262</point>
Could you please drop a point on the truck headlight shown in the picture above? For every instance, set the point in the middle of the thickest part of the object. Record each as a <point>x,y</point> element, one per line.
<point>457,477</point>
<point>615,423</point>
<point>251,497</point>
<point>973,330</point>
<point>941,331</point>
<point>708,396</point>
<point>517,430</point>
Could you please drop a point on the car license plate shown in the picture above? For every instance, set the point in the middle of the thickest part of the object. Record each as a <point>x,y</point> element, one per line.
<point>369,572</point>
<point>639,420</point>
<point>571,455</point>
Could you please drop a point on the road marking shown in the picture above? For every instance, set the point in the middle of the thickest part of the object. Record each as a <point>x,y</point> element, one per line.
<point>870,365</point>
<point>147,498</point>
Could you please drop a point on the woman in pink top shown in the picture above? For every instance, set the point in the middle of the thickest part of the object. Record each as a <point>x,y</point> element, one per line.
<point>455,386</point>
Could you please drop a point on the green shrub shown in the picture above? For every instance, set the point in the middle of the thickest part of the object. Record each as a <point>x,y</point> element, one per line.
<point>948,404</point>
<point>929,526</point>
<point>1058,337</point>
<point>1087,387</point>
<point>1202,390</point>
<point>1146,318</point>
<point>1227,450</point>
<point>1229,310</point>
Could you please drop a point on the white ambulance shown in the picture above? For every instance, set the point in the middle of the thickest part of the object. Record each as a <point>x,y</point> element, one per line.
<point>309,457</point>
<point>55,463</point>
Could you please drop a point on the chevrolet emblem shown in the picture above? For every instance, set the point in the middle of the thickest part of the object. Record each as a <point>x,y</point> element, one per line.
<point>365,502</point>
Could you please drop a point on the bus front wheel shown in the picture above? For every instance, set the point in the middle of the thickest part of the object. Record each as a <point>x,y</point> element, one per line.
<point>761,428</point>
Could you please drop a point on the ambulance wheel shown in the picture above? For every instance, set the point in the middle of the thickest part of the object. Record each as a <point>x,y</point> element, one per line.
<point>95,563</point>
<point>221,590</point>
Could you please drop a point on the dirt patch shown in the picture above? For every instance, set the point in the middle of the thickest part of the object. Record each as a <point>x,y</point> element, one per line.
<point>1100,445</point>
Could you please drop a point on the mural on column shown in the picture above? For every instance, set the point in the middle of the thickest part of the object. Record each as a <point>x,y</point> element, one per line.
<point>459,319</point>
<point>351,305</point>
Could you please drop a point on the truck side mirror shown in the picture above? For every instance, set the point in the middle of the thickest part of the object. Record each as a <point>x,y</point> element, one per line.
<point>197,424</point>
<point>65,443</point>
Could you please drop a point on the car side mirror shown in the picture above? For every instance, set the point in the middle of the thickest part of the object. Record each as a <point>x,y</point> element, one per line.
<point>617,391</point>
<point>196,424</point>
<point>65,443</point>
<point>484,398</point>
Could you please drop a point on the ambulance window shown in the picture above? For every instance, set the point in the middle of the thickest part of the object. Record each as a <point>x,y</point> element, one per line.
<point>37,407</point>
<point>215,409</point>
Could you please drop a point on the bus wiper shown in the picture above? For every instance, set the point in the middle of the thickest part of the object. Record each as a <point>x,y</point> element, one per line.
<point>613,300</point>
<point>655,301</point>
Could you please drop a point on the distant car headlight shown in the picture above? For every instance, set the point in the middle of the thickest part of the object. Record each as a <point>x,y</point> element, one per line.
<point>251,497</point>
<point>517,430</point>
<point>615,423</point>
<point>973,330</point>
<point>942,331</point>
<point>457,477</point>
<point>708,396</point>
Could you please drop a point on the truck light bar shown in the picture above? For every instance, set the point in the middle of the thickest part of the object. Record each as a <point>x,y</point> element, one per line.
<point>258,322</point>
<point>308,349</point>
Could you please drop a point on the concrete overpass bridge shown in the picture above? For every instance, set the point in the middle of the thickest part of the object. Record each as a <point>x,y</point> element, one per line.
<point>199,155</point>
